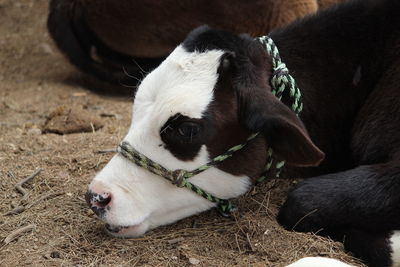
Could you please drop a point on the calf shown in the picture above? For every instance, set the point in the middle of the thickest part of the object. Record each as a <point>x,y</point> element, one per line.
<point>213,91</point>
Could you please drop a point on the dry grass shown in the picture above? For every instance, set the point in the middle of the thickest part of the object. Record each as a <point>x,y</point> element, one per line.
<point>34,79</point>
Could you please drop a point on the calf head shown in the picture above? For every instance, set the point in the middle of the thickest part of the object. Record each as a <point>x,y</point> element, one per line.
<point>210,94</point>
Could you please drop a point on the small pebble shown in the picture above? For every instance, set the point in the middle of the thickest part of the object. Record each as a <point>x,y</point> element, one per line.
<point>194,261</point>
<point>45,48</point>
<point>34,131</point>
<point>12,147</point>
<point>77,94</point>
<point>28,124</point>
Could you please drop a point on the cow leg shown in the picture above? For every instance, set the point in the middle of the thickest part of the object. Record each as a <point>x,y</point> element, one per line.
<point>377,249</point>
<point>366,198</point>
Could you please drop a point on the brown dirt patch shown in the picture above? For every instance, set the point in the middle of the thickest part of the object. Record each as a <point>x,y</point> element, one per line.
<point>75,119</point>
<point>34,80</point>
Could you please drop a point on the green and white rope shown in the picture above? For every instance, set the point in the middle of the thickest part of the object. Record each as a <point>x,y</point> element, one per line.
<point>281,80</point>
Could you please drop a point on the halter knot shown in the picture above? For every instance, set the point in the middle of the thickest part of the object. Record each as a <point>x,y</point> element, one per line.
<point>178,178</point>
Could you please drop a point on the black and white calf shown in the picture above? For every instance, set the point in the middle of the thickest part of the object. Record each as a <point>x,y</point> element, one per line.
<point>213,91</point>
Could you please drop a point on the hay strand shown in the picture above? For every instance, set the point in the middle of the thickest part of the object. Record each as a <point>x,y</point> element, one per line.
<point>16,233</point>
<point>19,188</point>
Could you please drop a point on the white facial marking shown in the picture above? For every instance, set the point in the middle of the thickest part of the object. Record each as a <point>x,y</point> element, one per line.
<point>318,262</point>
<point>395,246</point>
<point>141,200</point>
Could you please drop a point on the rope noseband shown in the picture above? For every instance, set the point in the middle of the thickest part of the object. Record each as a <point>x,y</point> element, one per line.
<point>280,81</point>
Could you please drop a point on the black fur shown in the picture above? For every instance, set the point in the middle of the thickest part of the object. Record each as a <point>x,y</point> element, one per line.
<point>354,123</point>
<point>372,247</point>
<point>205,38</point>
<point>185,146</point>
<point>346,61</point>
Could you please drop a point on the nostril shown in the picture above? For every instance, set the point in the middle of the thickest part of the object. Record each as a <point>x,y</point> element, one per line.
<point>97,200</point>
<point>103,200</point>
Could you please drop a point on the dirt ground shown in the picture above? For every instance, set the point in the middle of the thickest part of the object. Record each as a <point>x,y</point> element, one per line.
<point>34,80</point>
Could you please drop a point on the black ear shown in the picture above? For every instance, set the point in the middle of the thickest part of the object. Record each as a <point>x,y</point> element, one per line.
<point>260,111</point>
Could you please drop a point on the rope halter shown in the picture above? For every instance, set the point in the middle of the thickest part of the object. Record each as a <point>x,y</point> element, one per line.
<point>280,81</point>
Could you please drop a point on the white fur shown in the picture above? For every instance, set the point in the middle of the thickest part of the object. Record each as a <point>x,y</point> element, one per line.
<point>184,84</point>
<point>318,262</point>
<point>395,247</point>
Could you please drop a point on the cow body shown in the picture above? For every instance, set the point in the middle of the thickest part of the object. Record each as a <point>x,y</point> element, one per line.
<point>213,91</point>
<point>103,37</point>
<point>348,68</point>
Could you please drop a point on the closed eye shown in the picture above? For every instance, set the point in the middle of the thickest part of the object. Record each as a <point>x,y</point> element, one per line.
<point>184,136</point>
<point>188,130</point>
